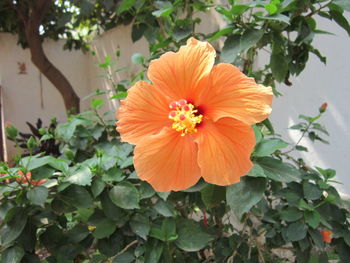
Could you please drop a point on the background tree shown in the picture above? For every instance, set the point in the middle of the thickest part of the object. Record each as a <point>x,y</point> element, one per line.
<point>75,21</point>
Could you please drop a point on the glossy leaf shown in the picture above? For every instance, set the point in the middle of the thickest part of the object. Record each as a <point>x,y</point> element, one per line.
<point>125,195</point>
<point>191,237</point>
<point>242,196</point>
<point>38,195</point>
<point>278,171</point>
<point>267,147</point>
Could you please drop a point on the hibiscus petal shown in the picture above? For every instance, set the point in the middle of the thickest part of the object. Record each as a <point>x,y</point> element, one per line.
<point>233,94</point>
<point>224,149</point>
<point>168,161</point>
<point>180,75</point>
<point>144,112</point>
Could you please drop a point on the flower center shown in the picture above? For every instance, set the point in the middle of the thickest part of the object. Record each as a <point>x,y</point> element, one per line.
<point>185,117</point>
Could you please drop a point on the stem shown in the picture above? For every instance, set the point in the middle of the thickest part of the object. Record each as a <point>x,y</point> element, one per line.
<point>234,254</point>
<point>125,248</point>
<point>302,135</point>
<point>317,10</point>
<point>100,118</point>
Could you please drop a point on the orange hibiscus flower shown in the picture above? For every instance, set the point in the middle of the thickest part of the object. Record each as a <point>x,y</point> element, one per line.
<point>193,121</point>
<point>326,235</point>
<point>28,179</point>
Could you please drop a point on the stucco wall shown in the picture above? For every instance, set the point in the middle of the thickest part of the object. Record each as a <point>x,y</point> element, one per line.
<point>30,96</point>
<point>321,83</point>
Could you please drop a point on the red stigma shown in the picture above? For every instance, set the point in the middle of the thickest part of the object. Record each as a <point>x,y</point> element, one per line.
<point>173,105</point>
<point>172,114</point>
<point>182,117</point>
<point>182,102</point>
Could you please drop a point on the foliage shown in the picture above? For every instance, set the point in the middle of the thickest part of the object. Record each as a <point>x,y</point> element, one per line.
<point>93,208</point>
<point>75,21</point>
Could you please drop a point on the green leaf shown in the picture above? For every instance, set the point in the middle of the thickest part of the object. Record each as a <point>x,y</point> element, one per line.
<point>125,6</point>
<point>126,257</point>
<point>278,171</point>
<point>271,8</point>
<point>66,130</point>
<point>169,229</point>
<point>140,225</point>
<point>120,95</point>
<point>316,237</point>
<point>295,231</point>
<point>97,187</point>
<point>153,251</point>
<point>137,31</point>
<point>164,208</point>
<point>236,44</point>
<point>77,233</point>
<point>239,9</point>
<point>242,196</point>
<point>256,171</point>
<point>277,18</point>
<point>125,195</point>
<point>340,20</point>
<point>222,32</point>
<point>163,195</point>
<point>231,49</point>
<point>97,103</point>
<point>311,191</point>
<point>10,231</point>
<point>249,38</point>
<point>111,245</point>
<point>113,175</point>
<point>81,177</point>
<point>38,195</point>
<point>165,8</point>
<point>12,255</point>
<point>258,134</point>
<point>291,214</point>
<point>267,147</point>
<point>137,59</point>
<point>76,196</point>
<point>343,250</point>
<point>111,210</point>
<point>301,148</point>
<point>344,4</point>
<point>213,195</point>
<point>191,237</point>
<point>42,172</point>
<point>326,173</point>
<point>279,66</point>
<point>224,11</point>
<point>35,162</point>
<point>146,190</point>
<point>182,32</point>
<point>104,228</point>
<point>167,232</point>
<point>4,208</point>
<point>312,218</point>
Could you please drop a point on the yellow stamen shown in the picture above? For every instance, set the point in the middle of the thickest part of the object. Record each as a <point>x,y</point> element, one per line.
<point>184,117</point>
<point>91,228</point>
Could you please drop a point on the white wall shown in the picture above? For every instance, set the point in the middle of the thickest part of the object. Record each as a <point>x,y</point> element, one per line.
<point>25,97</point>
<point>321,83</point>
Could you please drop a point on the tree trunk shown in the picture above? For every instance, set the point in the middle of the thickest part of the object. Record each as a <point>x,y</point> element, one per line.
<point>71,99</point>
<point>31,24</point>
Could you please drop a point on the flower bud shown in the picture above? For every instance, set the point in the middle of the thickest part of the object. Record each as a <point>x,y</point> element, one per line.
<point>327,236</point>
<point>11,131</point>
<point>31,143</point>
<point>323,107</point>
